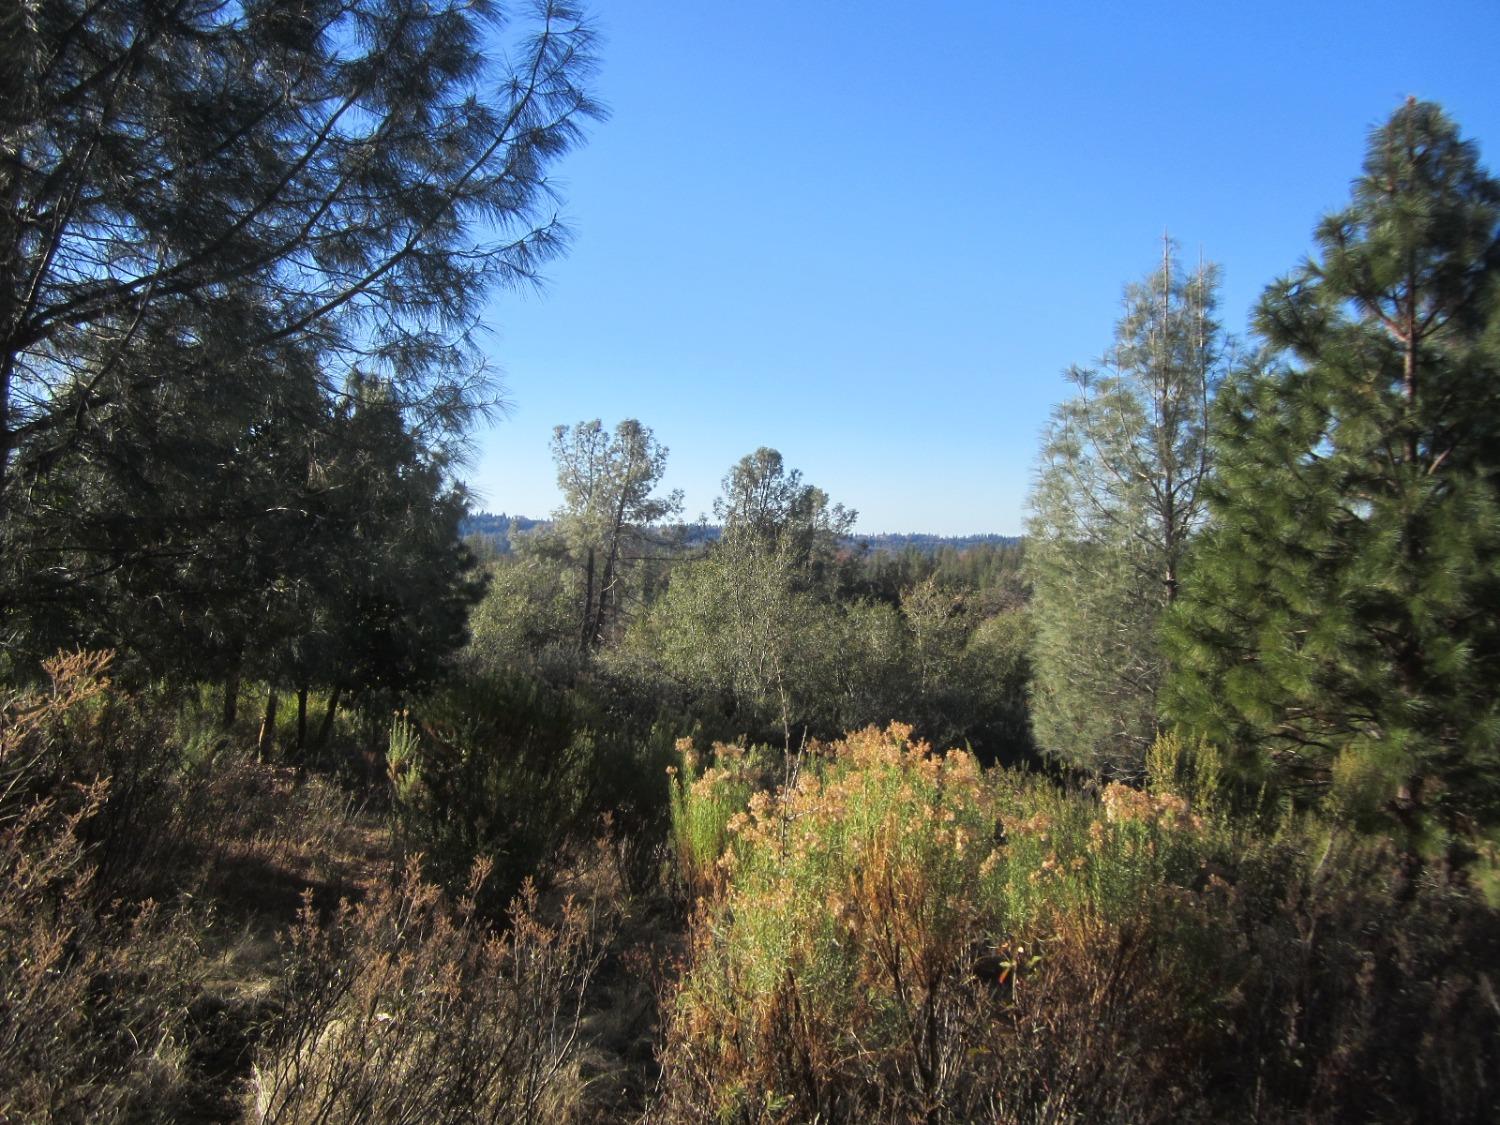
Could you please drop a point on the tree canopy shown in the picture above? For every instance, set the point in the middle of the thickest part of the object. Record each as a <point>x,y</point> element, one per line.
<point>234,239</point>
<point>1342,623</point>
<point>607,481</point>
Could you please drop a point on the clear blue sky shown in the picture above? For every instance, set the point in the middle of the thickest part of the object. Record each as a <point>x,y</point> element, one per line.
<point>872,235</point>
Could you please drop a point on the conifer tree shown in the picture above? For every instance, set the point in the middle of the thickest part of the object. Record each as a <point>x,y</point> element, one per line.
<point>768,508</point>
<point>607,481</point>
<point>1116,499</point>
<point>215,216</point>
<point>1342,626</point>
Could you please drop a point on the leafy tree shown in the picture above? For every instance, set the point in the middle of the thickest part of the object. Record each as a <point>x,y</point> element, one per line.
<point>746,629</point>
<point>964,672</point>
<point>214,215</point>
<point>778,535</point>
<point>996,670</point>
<point>1117,497</point>
<point>733,625</point>
<point>1343,622</point>
<point>528,618</point>
<point>607,481</point>
<point>935,620</point>
<point>765,502</point>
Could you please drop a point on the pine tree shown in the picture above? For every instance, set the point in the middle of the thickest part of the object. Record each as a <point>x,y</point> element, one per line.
<point>205,202</point>
<point>1341,628</point>
<point>766,506</point>
<point>1116,499</point>
<point>607,481</point>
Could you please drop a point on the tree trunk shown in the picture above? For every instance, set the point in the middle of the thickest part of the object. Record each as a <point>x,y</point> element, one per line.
<point>267,737</point>
<point>301,724</point>
<point>606,586</point>
<point>325,728</point>
<point>586,634</point>
<point>231,695</point>
<point>11,311</point>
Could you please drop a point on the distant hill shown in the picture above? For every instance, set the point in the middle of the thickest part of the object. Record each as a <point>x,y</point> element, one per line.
<point>893,543</point>
<point>498,530</point>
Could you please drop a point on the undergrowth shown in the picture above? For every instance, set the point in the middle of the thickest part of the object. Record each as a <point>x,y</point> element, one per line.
<point>875,931</point>
<point>702,802</point>
<point>406,1009</point>
<point>95,976</point>
<point>901,936</point>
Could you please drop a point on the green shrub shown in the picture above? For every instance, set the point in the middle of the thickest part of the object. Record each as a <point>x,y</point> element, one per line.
<point>840,944</point>
<point>507,769</point>
<point>898,936</point>
<point>702,803</point>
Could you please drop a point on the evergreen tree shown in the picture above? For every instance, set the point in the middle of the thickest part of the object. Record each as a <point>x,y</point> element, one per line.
<point>368,587</point>
<point>766,506</point>
<point>156,525</point>
<point>1116,499</point>
<point>1342,624</point>
<point>607,481</point>
<point>204,203</point>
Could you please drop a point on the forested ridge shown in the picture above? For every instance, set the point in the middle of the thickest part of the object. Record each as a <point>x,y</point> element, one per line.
<point>325,798</point>
<point>493,531</point>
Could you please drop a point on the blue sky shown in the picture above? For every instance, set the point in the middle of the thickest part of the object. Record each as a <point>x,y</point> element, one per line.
<point>872,235</point>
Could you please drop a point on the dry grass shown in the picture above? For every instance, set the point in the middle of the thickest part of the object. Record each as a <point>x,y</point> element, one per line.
<point>404,1009</point>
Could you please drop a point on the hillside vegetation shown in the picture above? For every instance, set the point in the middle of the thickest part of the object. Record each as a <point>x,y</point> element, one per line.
<point>1183,808</point>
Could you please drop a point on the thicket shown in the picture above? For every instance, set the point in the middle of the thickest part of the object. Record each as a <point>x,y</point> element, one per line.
<point>405,1008</point>
<point>899,935</point>
<point>519,775</point>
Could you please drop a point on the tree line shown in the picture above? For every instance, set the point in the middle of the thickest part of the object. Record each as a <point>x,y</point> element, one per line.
<point>776,628</point>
